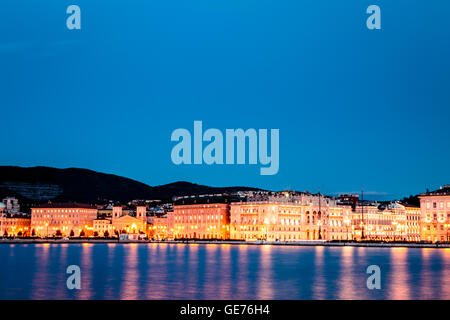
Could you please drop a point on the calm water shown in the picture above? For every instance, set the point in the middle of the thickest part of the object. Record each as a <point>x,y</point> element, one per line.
<point>169,271</point>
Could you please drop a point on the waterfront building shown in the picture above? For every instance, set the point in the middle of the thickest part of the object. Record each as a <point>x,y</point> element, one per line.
<point>413,223</point>
<point>121,222</point>
<point>392,222</point>
<point>435,215</point>
<point>268,220</point>
<point>63,219</point>
<point>103,227</point>
<point>339,223</point>
<point>128,224</point>
<point>290,216</point>
<point>199,221</point>
<point>371,223</point>
<point>158,228</point>
<point>13,225</point>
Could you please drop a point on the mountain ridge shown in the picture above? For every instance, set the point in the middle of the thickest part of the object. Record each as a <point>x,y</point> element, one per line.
<point>41,184</point>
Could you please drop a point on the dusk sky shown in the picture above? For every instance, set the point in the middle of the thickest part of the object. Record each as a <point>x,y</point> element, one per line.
<point>354,106</point>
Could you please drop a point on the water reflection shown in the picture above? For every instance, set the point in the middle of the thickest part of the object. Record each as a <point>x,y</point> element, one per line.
<point>130,286</point>
<point>169,271</point>
<point>60,276</point>
<point>224,275</point>
<point>86,272</point>
<point>319,289</point>
<point>41,275</point>
<point>240,283</point>
<point>346,289</point>
<point>425,276</point>
<point>207,271</point>
<point>265,279</point>
<point>444,274</point>
<point>108,271</point>
<point>399,279</point>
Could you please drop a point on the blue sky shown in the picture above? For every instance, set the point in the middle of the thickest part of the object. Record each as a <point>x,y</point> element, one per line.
<point>354,106</point>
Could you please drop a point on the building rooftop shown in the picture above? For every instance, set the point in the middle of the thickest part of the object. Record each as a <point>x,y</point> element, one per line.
<point>65,206</point>
<point>408,205</point>
<point>443,191</point>
<point>206,200</point>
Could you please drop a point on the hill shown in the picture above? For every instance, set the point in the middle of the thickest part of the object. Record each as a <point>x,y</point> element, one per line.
<point>43,184</point>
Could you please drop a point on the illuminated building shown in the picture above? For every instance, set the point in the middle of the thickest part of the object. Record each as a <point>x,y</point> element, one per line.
<point>266,220</point>
<point>394,222</point>
<point>413,223</point>
<point>435,215</point>
<point>282,216</point>
<point>290,217</point>
<point>339,223</point>
<point>13,224</point>
<point>64,219</point>
<point>158,227</point>
<point>200,221</point>
<point>371,223</point>
<point>103,227</point>
<point>127,223</point>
